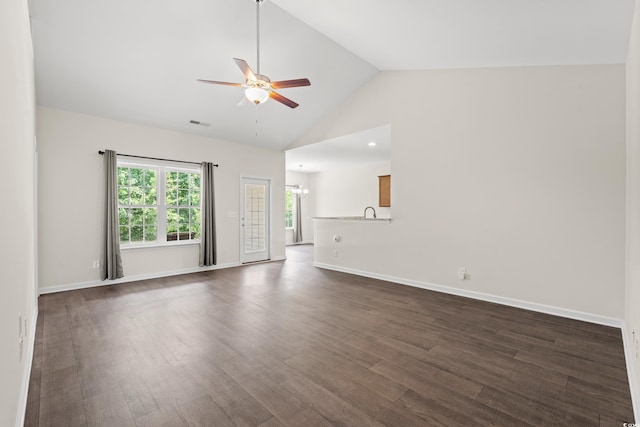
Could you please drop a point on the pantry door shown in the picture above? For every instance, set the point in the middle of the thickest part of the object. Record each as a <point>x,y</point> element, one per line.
<point>254,220</point>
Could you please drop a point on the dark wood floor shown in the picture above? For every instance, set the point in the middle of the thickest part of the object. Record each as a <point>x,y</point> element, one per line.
<point>285,343</point>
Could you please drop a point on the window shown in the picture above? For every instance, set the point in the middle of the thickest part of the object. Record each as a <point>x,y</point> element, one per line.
<point>138,204</point>
<point>289,210</point>
<point>158,204</point>
<point>183,205</point>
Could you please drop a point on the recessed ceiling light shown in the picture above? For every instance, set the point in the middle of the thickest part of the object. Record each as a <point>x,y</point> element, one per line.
<point>371,144</point>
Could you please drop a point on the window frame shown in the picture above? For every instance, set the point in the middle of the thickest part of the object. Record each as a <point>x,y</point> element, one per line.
<point>293,207</point>
<point>162,168</point>
<point>129,207</point>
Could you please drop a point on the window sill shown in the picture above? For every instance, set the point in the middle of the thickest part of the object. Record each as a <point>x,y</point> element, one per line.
<point>159,245</point>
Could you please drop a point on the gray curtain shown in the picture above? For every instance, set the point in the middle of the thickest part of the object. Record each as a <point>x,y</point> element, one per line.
<point>111,258</point>
<point>297,231</point>
<point>207,217</point>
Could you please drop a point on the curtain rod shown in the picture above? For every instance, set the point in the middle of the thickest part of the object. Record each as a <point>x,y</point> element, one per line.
<point>155,158</point>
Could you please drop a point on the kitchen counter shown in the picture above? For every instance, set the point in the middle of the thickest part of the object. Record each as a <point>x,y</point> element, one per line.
<point>351,218</point>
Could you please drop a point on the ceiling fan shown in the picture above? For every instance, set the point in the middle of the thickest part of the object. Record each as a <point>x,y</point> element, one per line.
<point>258,87</point>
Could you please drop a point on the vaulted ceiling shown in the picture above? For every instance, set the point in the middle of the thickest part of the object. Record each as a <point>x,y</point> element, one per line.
<point>138,61</point>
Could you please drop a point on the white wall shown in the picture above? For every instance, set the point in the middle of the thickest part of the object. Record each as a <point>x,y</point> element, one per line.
<point>71,196</point>
<point>307,204</point>
<point>518,174</point>
<point>632,311</point>
<point>338,192</point>
<point>348,191</point>
<point>17,185</point>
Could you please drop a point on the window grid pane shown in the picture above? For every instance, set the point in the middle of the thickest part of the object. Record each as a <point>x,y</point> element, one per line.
<point>183,205</point>
<point>137,212</point>
<point>254,230</point>
<point>289,209</point>
<point>140,204</point>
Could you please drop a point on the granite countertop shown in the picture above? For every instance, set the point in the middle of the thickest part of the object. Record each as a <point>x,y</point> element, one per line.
<point>352,218</point>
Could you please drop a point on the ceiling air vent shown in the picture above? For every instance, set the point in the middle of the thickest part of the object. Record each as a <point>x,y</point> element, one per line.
<point>196,122</point>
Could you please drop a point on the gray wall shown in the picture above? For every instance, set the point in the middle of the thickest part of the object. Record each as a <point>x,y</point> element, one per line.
<point>17,252</point>
<point>517,174</point>
<point>632,312</point>
<point>71,170</point>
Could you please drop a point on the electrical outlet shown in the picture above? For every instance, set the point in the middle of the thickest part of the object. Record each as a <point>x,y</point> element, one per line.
<point>96,263</point>
<point>462,273</point>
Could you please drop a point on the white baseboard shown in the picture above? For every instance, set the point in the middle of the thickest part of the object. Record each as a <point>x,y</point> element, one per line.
<point>629,355</point>
<point>556,311</point>
<point>155,275</point>
<point>126,279</point>
<point>26,374</point>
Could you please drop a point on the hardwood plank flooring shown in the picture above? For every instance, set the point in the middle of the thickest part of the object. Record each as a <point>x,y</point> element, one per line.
<point>287,344</point>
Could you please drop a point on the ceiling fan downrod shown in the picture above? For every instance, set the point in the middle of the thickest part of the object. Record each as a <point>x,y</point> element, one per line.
<point>259,88</point>
<point>258,2</point>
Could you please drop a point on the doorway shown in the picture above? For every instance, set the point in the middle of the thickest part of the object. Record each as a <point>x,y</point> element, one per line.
<point>254,220</point>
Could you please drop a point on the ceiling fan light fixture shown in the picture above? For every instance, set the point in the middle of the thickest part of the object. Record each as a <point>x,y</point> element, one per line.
<point>256,95</point>
<point>258,87</point>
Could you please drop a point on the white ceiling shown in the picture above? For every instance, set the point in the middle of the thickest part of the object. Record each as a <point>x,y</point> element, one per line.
<point>345,151</point>
<point>138,61</point>
<point>426,34</point>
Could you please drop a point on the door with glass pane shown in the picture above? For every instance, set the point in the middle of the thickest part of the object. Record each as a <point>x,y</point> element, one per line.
<point>254,220</point>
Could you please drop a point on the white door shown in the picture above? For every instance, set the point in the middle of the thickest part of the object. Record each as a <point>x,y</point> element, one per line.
<point>254,220</point>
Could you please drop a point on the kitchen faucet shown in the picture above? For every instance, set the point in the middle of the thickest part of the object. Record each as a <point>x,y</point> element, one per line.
<point>369,207</point>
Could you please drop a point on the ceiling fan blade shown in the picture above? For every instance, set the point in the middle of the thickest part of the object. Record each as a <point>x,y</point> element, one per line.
<point>220,83</point>
<point>286,101</point>
<point>246,70</point>
<point>290,83</point>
